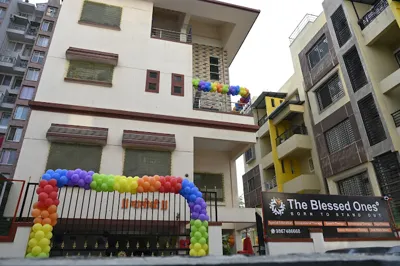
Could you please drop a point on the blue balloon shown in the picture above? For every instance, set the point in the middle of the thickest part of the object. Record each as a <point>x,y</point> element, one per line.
<point>46,177</point>
<point>56,176</point>
<point>58,171</point>
<point>186,190</point>
<point>50,172</point>
<point>199,194</point>
<point>64,172</point>
<point>191,184</point>
<point>185,183</point>
<point>192,198</point>
<point>63,181</point>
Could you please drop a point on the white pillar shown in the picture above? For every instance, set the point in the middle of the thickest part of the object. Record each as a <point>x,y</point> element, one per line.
<point>215,240</point>
<point>238,241</point>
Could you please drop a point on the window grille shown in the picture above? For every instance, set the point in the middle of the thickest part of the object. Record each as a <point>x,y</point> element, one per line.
<point>340,136</point>
<point>145,162</point>
<point>90,71</point>
<point>102,14</point>
<point>357,185</point>
<point>341,26</point>
<point>371,119</point>
<point>330,92</point>
<point>355,69</point>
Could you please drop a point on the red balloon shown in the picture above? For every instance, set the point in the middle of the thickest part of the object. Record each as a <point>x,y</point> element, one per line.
<point>43,183</point>
<point>174,181</point>
<point>39,190</point>
<point>40,205</point>
<point>178,187</point>
<point>172,190</point>
<point>167,185</point>
<point>48,202</point>
<point>179,180</point>
<point>56,202</point>
<point>53,195</point>
<point>53,182</point>
<point>161,189</point>
<point>162,180</point>
<point>55,189</point>
<point>167,178</point>
<point>43,196</point>
<point>48,189</point>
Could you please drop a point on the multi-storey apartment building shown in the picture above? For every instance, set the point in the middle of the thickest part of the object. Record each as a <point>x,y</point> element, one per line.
<point>25,35</point>
<point>346,65</point>
<point>116,97</point>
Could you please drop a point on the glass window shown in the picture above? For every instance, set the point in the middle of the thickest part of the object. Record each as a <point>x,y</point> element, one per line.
<point>214,68</point>
<point>15,47</point>
<point>51,12</point>
<point>145,162</point>
<point>2,12</point>
<point>32,74</point>
<point>210,183</point>
<point>82,70</point>
<point>8,156</point>
<point>17,83</point>
<point>27,50</point>
<point>47,26</point>
<point>21,113</point>
<point>14,134</point>
<point>319,51</point>
<point>27,93</point>
<point>330,92</point>
<point>38,57</point>
<point>340,136</point>
<point>5,118</point>
<point>43,41</point>
<point>5,80</point>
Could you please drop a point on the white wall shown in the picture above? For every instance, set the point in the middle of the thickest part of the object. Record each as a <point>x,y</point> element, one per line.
<point>279,248</point>
<point>17,248</point>
<point>215,240</point>
<point>137,53</point>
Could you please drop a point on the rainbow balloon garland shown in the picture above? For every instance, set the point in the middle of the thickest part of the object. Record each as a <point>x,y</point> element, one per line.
<point>207,86</point>
<point>45,210</point>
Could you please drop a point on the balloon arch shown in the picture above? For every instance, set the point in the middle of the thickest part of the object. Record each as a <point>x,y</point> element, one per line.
<point>45,209</point>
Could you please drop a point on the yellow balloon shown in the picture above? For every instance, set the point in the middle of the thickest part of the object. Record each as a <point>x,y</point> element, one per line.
<point>31,235</point>
<point>136,178</point>
<point>32,243</point>
<point>29,255</point>
<point>39,235</point>
<point>29,250</point>
<point>46,249</point>
<point>44,242</point>
<point>36,250</point>
<point>201,252</point>
<point>197,247</point>
<point>193,253</point>
<point>205,247</point>
<point>47,228</point>
<point>117,187</point>
<point>134,185</point>
<point>37,227</point>
<point>48,235</point>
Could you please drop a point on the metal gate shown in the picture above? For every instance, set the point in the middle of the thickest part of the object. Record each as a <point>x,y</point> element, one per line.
<point>110,224</point>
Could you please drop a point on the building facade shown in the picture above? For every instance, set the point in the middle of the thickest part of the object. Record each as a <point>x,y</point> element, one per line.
<point>346,65</point>
<point>25,33</point>
<point>116,97</point>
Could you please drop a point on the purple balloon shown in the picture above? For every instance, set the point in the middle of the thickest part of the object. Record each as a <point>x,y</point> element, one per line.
<point>75,178</point>
<point>191,204</point>
<point>202,217</point>
<point>199,200</point>
<point>70,184</point>
<point>203,205</point>
<point>90,173</point>
<point>70,173</point>
<point>197,208</point>
<point>207,218</point>
<point>195,215</point>
<point>88,179</point>
<point>86,186</point>
<point>203,211</point>
<point>81,183</point>
<point>83,174</point>
<point>78,171</point>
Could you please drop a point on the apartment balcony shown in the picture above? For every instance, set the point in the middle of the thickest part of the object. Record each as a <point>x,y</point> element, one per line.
<point>21,32</point>
<point>8,102</point>
<point>183,36</point>
<point>396,119</point>
<point>9,64</point>
<point>286,111</point>
<point>391,83</point>
<point>4,3</point>
<point>267,161</point>
<point>219,104</point>
<point>271,185</point>
<point>294,142</point>
<point>264,126</point>
<point>26,7</point>
<point>306,183</point>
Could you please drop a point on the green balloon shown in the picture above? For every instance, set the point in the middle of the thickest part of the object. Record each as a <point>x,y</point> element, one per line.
<point>202,241</point>
<point>205,223</point>
<point>191,234</point>
<point>197,223</point>
<point>205,235</point>
<point>193,240</point>
<point>191,222</point>
<point>29,255</point>
<point>96,177</point>
<point>193,229</point>
<point>93,185</point>
<point>43,255</point>
<point>104,187</point>
<point>197,235</point>
<point>202,229</point>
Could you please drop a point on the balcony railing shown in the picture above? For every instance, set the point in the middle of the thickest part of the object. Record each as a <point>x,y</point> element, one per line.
<point>396,118</point>
<point>374,12</point>
<point>9,99</point>
<point>271,184</point>
<point>296,130</point>
<point>220,105</point>
<point>32,31</point>
<point>7,59</point>
<point>22,63</point>
<point>16,26</point>
<point>170,35</point>
<point>263,120</point>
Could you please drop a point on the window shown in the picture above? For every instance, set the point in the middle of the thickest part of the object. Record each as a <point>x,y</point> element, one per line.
<point>355,69</point>
<point>371,120</point>
<point>330,92</point>
<point>43,41</point>
<point>251,184</point>
<point>341,26</point>
<point>27,50</point>
<point>319,51</point>
<point>291,166</point>
<point>27,93</point>
<point>210,183</point>
<point>311,164</point>
<point>5,118</point>
<point>283,166</point>
<point>214,68</point>
<point>73,156</point>
<point>15,47</point>
<point>249,155</point>
<point>14,134</point>
<point>2,12</point>
<point>357,185</point>
<point>144,162</point>
<point>5,80</point>
<point>340,136</point>
<point>21,113</point>
<point>152,81</point>
<point>17,83</point>
<point>8,156</point>
<point>178,85</point>
<point>51,12</point>
<point>47,26</point>
<point>32,74</point>
<point>90,71</point>
<point>101,14</point>
<point>38,57</point>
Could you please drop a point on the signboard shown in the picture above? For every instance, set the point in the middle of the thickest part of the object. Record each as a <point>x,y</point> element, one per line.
<point>291,215</point>
<point>145,204</point>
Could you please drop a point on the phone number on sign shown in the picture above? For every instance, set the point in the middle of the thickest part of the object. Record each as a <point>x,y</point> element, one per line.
<point>285,231</point>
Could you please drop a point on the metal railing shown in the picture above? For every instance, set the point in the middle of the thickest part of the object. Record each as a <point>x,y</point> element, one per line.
<point>22,63</point>
<point>16,26</point>
<point>7,59</point>
<point>263,120</point>
<point>271,184</point>
<point>9,99</point>
<point>377,9</point>
<point>396,118</point>
<point>220,105</point>
<point>309,18</point>
<point>32,31</point>
<point>170,35</point>
<point>296,130</point>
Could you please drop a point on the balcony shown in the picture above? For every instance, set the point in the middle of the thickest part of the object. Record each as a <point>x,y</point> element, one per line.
<point>219,103</point>
<point>396,119</point>
<point>373,13</point>
<point>12,65</point>
<point>306,183</point>
<point>293,142</point>
<point>184,36</point>
<point>8,101</point>
<point>271,185</point>
<point>391,83</point>
<point>22,32</point>
<point>286,111</point>
<point>267,161</point>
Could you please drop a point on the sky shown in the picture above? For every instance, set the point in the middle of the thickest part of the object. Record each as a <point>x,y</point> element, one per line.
<point>264,61</point>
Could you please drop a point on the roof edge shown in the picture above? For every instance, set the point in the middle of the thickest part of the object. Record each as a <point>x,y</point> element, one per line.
<point>231,5</point>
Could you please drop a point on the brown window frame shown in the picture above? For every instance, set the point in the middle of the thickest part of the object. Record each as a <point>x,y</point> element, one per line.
<point>178,84</point>
<point>152,80</point>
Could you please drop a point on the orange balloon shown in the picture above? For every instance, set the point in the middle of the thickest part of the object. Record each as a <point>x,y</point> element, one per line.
<point>157,185</point>
<point>36,213</point>
<point>152,189</point>
<point>53,223</point>
<point>152,180</point>
<point>157,178</point>
<point>146,178</point>
<point>140,189</point>
<point>52,209</point>
<point>53,216</point>
<point>146,185</point>
<point>140,182</point>
<point>37,220</point>
<point>35,205</point>
<point>45,214</point>
<point>46,221</point>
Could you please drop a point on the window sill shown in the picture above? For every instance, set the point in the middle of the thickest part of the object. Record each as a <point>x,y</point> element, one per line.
<point>89,82</point>
<point>86,23</point>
